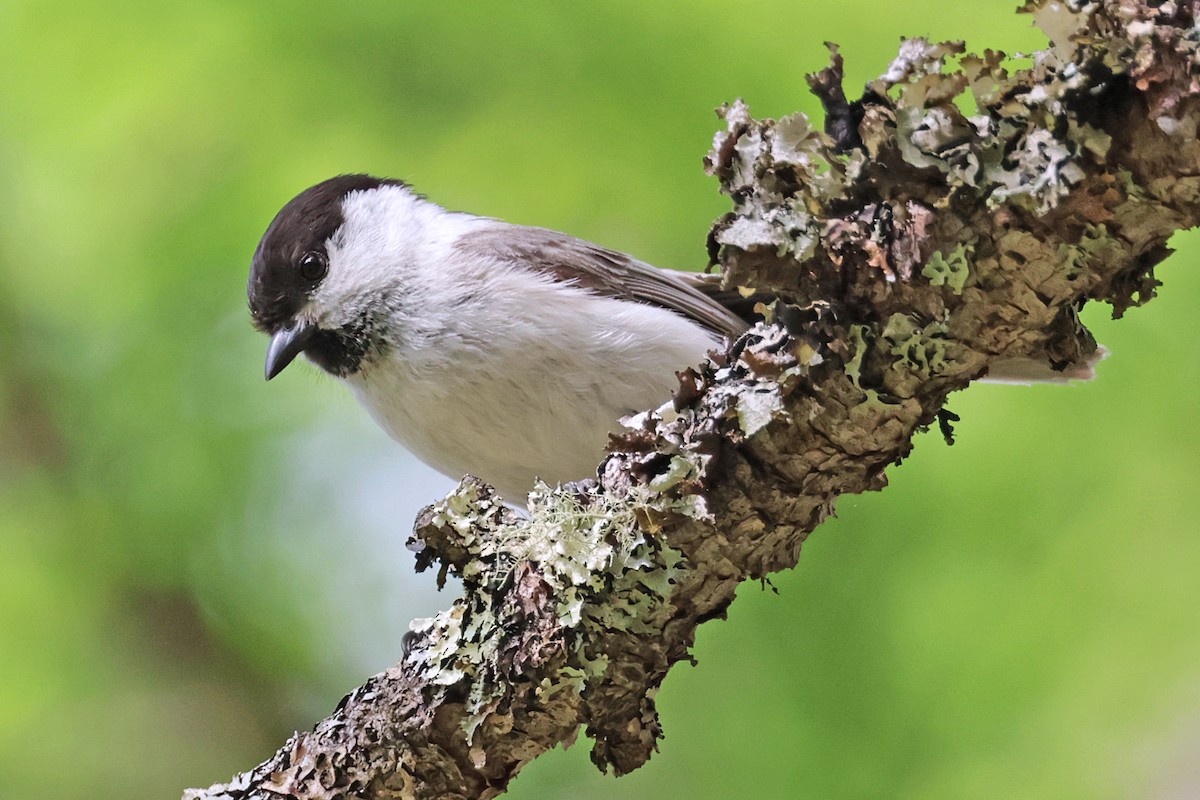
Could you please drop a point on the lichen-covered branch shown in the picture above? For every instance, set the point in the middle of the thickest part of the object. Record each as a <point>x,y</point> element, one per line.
<point>913,247</point>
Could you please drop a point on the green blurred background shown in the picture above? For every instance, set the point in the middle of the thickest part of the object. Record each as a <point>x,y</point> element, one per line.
<point>194,563</point>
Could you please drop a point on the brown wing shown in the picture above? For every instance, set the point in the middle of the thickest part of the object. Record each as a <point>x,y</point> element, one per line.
<point>607,272</point>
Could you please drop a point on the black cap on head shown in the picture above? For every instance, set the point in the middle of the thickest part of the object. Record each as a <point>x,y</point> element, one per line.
<point>280,280</point>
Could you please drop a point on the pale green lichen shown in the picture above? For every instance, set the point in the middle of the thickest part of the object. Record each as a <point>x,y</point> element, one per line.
<point>788,169</point>
<point>1075,258</point>
<point>939,137</point>
<point>796,142</point>
<point>452,511</point>
<point>949,270</point>
<point>756,409</point>
<point>678,470</point>
<point>920,348</point>
<point>1037,174</point>
<point>784,229</point>
<point>596,563</point>
<point>858,338</point>
<point>993,150</point>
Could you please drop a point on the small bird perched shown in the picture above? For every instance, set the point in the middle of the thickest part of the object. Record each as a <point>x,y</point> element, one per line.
<point>502,351</point>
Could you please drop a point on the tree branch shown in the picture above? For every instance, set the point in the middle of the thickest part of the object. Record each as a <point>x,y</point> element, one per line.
<point>912,247</point>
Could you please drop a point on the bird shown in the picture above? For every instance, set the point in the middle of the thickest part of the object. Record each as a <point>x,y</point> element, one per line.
<point>497,350</point>
<point>486,348</point>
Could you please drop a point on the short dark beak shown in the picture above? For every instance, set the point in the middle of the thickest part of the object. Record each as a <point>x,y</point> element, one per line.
<point>286,344</point>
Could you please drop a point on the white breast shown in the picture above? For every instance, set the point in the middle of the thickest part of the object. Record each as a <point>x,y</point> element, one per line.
<point>529,382</point>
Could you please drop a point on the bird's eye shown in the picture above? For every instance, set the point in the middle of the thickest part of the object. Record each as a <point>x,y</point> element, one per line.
<point>313,267</point>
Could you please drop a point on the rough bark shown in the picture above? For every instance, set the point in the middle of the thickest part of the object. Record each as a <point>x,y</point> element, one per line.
<point>911,246</point>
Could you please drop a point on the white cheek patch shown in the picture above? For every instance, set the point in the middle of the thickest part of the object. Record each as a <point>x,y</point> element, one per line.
<point>375,256</point>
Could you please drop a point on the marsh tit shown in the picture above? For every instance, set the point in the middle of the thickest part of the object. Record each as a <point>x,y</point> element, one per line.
<point>501,351</point>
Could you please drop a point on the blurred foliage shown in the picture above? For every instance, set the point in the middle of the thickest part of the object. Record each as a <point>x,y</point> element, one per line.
<point>193,563</point>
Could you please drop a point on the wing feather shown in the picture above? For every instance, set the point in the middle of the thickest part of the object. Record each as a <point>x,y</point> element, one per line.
<point>606,272</point>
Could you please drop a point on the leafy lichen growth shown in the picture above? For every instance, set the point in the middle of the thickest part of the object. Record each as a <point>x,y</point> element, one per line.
<point>923,349</point>
<point>788,169</point>
<point>568,553</point>
<point>1075,258</point>
<point>952,270</point>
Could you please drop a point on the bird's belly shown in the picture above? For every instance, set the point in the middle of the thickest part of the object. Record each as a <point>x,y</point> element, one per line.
<point>538,398</point>
<point>509,431</point>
